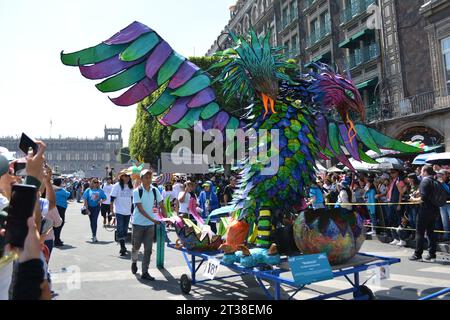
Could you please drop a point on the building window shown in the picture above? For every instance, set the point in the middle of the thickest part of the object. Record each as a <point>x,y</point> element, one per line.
<point>294,10</point>
<point>285,17</point>
<point>446,52</point>
<point>295,48</point>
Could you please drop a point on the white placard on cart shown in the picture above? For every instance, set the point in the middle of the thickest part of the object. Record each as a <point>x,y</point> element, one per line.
<point>376,274</point>
<point>212,266</point>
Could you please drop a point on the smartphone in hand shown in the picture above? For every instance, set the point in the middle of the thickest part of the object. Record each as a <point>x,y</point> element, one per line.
<point>21,208</point>
<point>20,168</point>
<point>26,143</point>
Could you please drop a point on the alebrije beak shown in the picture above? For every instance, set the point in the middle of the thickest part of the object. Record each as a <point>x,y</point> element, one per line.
<point>268,102</point>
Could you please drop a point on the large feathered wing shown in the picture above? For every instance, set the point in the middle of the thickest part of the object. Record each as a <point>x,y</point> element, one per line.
<point>138,61</point>
<point>335,137</point>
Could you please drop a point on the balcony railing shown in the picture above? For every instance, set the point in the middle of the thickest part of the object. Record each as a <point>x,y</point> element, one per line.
<point>356,8</point>
<point>316,36</point>
<point>363,55</point>
<point>372,112</point>
<point>425,102</point>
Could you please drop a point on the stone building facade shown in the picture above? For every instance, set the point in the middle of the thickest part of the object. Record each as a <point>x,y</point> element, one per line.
<point>69,155</point>
<point>395,51</point>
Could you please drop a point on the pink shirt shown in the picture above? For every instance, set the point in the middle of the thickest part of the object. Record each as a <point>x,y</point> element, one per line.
<point>391,188</point>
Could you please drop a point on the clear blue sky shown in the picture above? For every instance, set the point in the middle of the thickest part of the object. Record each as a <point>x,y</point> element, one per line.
<point>36,88</point>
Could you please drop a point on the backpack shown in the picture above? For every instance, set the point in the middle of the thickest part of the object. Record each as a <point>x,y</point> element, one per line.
<point>439,195</point>
<point>141,192</point>
<point>155,203</point>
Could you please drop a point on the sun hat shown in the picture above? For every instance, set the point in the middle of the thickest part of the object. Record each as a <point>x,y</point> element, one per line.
<point>144,172</point>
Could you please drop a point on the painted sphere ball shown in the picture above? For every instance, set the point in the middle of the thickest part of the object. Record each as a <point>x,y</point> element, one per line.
<point>339,235</point>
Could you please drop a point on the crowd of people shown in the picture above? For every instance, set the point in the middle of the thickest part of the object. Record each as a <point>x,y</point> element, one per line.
<point>397,204</point>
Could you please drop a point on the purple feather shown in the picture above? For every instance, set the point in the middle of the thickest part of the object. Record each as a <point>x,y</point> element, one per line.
<point>322,156</point>
<point>129,34</point>
<point>351,147</point>
<point>159,55</point>
<point>176,113</point>
<point>205,125</point>
<point>183,75</point>
<point>322,130</point>
<point>107,68</point>
<point>202,98</point>
<point>136,93</point>
<point>221,120</point>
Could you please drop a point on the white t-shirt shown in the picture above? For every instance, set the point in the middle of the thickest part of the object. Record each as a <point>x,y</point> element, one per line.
<point>177,187</point>
<point>184,206</point>
<point>107,189</point>
<point>343,198</point>
<point>123,199</point>
<point>170,194</point>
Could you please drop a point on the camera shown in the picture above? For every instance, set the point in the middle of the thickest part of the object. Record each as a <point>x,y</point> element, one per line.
<point>20,169</point>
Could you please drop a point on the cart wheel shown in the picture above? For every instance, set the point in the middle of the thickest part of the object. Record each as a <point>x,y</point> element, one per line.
<point>364,291</point>
<point>185,284</point>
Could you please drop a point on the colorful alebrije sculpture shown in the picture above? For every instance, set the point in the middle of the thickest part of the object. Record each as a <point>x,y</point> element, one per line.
<point>139,60</point>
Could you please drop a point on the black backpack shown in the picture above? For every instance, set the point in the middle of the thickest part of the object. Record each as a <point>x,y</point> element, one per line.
<point>439,195</point>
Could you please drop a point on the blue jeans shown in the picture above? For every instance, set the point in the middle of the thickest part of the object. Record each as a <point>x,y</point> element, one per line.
<point>122,226</point>
<point>412,216</point>
<point>49,244</point>
<point>393,219</point>
<point>93,217</point>
<point>445,214</point>
<point>373,215</point>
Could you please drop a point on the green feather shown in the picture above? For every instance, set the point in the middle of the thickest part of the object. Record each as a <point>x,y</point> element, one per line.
<point>189,120</point>
<point>140,47</point>
<point>193,86</point>
<point>233,124</point>
<point>170,67</point>
<point>162,104</point>
<point>364,157</point>
<point>294,145</point>
<point>92,55</point>
<point>210,110</point>
<point>123,80</point>
<point>296,125</point>
<point>290,134</point>
<point>366,138</point>
<point>333,137</point>
<point>389,143</point>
